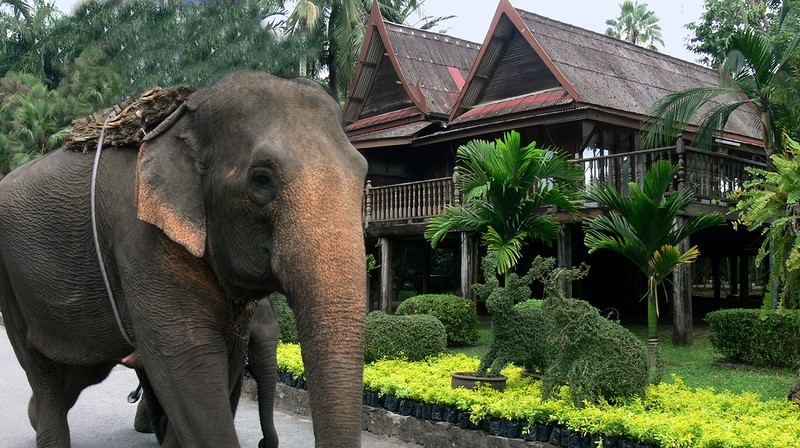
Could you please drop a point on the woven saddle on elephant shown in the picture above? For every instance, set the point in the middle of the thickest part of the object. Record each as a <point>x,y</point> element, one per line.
<point>130,120</point>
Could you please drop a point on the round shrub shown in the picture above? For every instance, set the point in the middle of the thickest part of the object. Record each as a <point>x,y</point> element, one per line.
<point>413,337</point>
<point>285,318</point>
<point>596,357</point>
<point>459,315</point>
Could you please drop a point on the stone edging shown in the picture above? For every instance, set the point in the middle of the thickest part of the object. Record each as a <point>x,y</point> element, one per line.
<point>406,428</point>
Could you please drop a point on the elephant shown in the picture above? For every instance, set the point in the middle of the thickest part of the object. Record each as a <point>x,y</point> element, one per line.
<point>262,365</point>
<point>250,187</point>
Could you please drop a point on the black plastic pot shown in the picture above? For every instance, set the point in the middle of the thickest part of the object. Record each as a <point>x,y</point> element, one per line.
<point>406,407</point>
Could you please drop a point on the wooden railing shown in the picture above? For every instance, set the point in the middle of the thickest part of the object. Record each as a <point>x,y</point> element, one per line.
<point>712,176</point>
<point>408,201</point>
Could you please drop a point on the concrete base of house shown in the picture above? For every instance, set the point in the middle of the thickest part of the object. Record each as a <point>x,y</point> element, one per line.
<point>405,428</point>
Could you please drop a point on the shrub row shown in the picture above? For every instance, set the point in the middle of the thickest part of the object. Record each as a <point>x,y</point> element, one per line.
<point>670,415</point>
<point>459,315</point>
<point>757,337</point>
<point>411,338</point>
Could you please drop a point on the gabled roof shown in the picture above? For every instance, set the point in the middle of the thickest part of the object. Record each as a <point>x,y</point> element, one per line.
<point>402,67</point>
<point>531,64</point>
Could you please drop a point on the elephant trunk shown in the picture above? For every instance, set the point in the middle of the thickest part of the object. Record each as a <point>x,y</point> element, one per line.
<point>321,265</point>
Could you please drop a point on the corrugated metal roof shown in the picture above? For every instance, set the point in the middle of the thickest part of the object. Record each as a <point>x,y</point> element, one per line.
<point>402,131</point>
<point>511,106</point>
<point>384,118</point>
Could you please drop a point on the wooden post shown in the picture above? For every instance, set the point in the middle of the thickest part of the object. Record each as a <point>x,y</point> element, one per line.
<point>680,148</point>
<point>456,193</point>
<point>367,203</point>
<point>426,269</point>
<point>716,281</point>
<point>467,251</point>
<point>744,279</point>
<point>734,275</point>
<point>564,255</point>
<point>387,275</point>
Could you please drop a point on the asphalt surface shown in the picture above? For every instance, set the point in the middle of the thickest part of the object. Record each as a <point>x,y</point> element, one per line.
<point>102,417</point>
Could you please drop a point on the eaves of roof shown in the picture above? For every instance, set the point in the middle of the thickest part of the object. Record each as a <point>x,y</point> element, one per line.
<point>384,120</point>
<point>512,106</point>
<point>396,136</point>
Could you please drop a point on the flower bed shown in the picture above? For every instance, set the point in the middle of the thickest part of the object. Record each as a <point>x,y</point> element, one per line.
<point>670,415</point>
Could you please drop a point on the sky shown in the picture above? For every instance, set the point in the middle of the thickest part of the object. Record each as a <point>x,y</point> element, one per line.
<point>473,17</point>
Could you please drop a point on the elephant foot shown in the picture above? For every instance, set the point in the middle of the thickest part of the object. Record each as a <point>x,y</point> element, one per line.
<point>32,412</point>
<point>141,422</point>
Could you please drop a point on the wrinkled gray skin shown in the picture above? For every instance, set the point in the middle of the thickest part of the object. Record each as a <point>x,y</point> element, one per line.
<point>262,365</point>
<point>253,188</point>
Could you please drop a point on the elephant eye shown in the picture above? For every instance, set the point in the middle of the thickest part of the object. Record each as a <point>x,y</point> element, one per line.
<point>262,188</point>
<point>261,180</point>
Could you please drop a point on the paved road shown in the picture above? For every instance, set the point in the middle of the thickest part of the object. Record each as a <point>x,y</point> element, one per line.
<point>102,418</point>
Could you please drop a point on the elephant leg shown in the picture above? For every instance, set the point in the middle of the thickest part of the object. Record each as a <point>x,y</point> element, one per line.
<point>150,416</point>
<point>141,422</point>
<point>263,366</point>
<point>56,388</point>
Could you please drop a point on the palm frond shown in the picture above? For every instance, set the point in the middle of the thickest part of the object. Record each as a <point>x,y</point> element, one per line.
<point>674,111</point>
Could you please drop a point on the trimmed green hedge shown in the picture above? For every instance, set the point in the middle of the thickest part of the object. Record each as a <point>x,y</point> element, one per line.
<point>459,315</point>
<point>414,337</point>
<point>671,415</point>
<point>757,337</point>
<point>285,318</point>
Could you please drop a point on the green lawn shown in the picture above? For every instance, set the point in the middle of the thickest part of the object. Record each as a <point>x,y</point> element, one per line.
<point>699,366</point>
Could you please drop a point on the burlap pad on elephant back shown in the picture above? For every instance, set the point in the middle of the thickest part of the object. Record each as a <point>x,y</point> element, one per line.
<point>131,120</point>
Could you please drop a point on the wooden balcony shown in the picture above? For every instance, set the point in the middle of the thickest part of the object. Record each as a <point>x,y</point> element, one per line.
<point>712,176</point>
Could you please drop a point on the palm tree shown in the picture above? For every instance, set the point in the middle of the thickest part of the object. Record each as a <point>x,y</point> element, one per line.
<point>642,227</point>
<point>34,120</point>
<point>507,189</point>
<point>636,24</point>
<point>755,71</point>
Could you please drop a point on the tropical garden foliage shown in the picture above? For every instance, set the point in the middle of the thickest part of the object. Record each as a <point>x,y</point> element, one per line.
<point>671,414</point>
<point>507,188</point>
<point>105,51</point>
<point>770,203</point>
<point>756,74</point>
<point>643,227</point>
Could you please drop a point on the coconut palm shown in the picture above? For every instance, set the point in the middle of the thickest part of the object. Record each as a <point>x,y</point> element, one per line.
<point>754,72</point>
<point>636,24</point>
<point>507,189</point>
<point>642,227</point>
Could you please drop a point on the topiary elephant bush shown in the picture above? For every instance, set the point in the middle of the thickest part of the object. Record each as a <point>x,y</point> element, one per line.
<point>412,338</point>
<point>519,327</point>
<point>458,314</point>
<point>597,357</point>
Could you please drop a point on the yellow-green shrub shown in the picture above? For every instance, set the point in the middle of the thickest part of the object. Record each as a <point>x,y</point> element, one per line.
<point>671,415</point>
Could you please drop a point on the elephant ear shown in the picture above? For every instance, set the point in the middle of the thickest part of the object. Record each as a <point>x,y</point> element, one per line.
<point>169,194</point>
